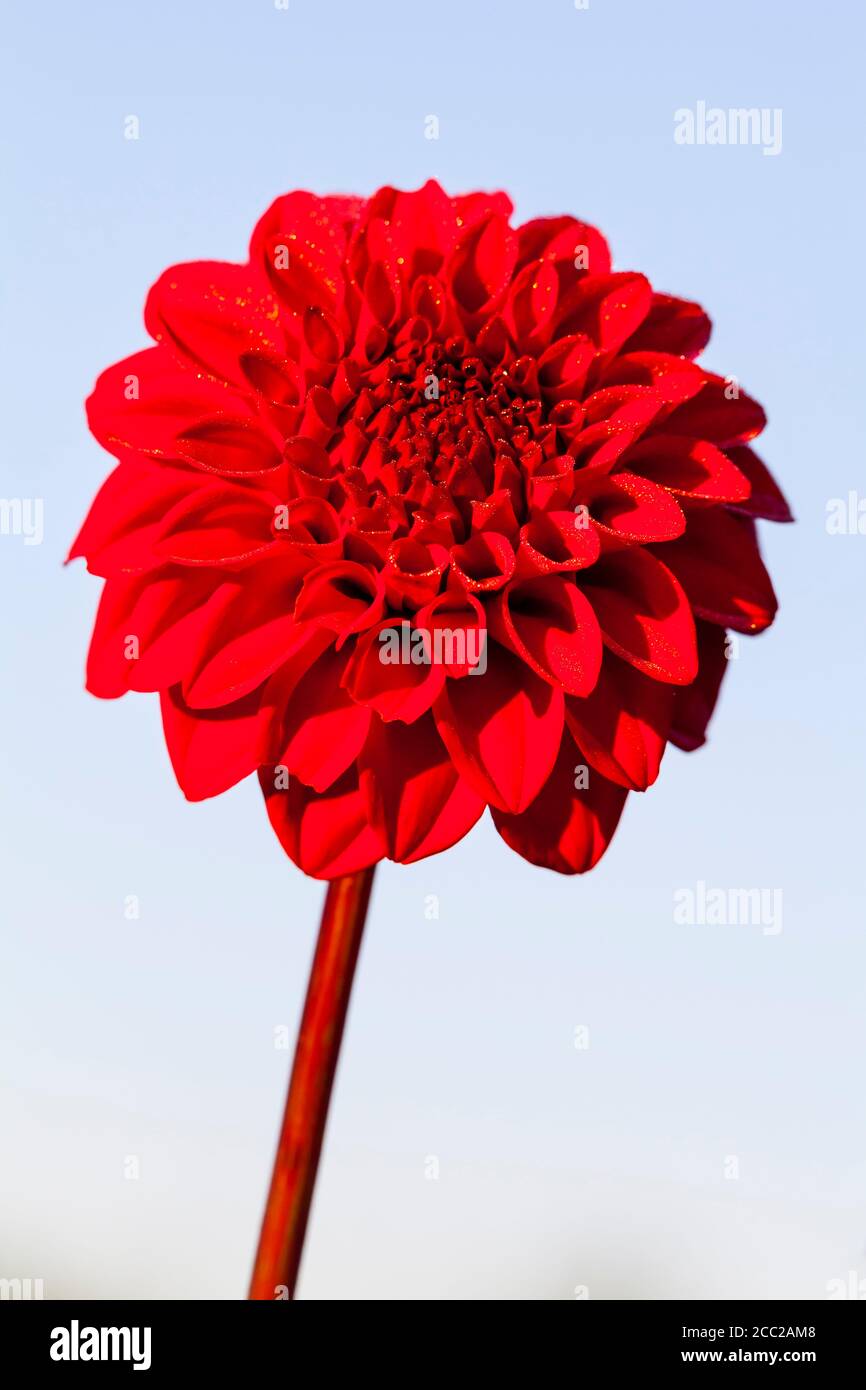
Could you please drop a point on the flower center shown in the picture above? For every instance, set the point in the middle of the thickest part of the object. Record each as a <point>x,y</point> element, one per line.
<point>450,413</point>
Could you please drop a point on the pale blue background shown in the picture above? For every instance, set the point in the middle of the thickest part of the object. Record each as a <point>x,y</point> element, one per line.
<point>558,1167</point>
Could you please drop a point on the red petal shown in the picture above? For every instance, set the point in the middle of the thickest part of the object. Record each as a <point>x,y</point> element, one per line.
<point>216,526</point>
<point>132,503</point>
<point>565,829</point>
<point>531,305</point>
<point>312,527</point>
<point>694,704</point>
<point>393,673</point>
<point>324,729</point>
<point>344,597</point>
<point>502,729</point>
<point>496,513</point>
<point>672,325</point>
<point>166,615</point>
<point>415,795</point>
<point>551,625</point>
<point>145,401</point>
<point>563,367</point>
<point>623,725</point>
<point>556,542</point>
<point>470,208</point>
<point>479,268</point>
<point>300,244</point>
<point>766,499</point>
<point>423,226</point>
<point>211,750</point>
<point>413,572</point>
<point>609,308</point>
<point>629,510</point>
<point>252,633</point>
<point>615,417</point>
<point>691,468</point>
<point>327,834</point>
<point>717,414</point>
<point>719,565</point>
<point>211,312</point>
<point>232,447</point>
<point>484,563</point>
<point>311,468</point>
<point>673,378</point>
<point>456,628</point>
<point>564,240</point>
<point>644,615</point>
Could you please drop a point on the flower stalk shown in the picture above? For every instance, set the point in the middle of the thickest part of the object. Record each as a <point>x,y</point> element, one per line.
<point>317,1051</point>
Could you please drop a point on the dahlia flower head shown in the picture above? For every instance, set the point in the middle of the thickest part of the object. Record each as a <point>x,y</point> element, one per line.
<point>404,415</point>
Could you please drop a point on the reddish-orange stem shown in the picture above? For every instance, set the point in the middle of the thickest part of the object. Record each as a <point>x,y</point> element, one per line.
<point>281,1241</point>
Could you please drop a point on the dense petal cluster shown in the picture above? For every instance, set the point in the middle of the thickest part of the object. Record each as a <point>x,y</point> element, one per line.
<point>406,416</point>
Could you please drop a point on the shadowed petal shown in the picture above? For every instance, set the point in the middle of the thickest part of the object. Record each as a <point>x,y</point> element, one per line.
<point>502,729</point>
<point>565,828</point>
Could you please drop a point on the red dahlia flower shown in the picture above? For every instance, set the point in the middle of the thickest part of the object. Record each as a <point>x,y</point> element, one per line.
<point>405,414</point>
<point>417,513</point>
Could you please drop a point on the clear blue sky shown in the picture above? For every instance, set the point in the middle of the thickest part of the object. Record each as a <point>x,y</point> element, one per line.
<point>153,1038</point>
